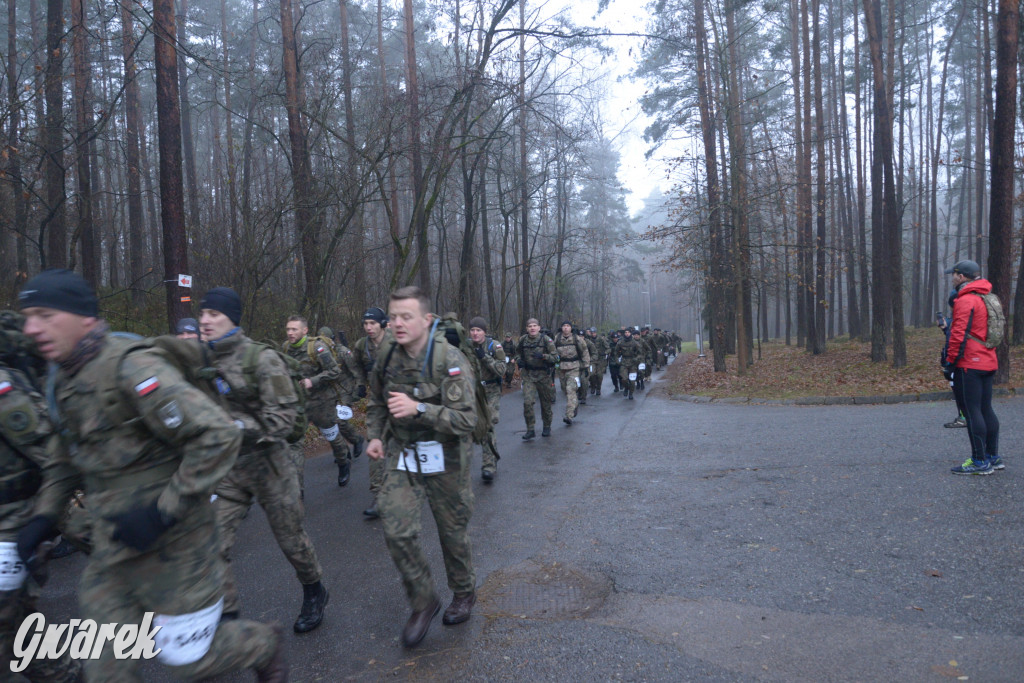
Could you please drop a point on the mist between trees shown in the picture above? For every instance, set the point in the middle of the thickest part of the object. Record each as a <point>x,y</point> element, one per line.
<point>314,155</point>
<point>845,153</point>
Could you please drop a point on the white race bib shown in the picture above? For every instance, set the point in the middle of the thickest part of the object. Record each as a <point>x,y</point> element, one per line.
<point>344,412</point>
<point>425,457</point>
<point>642,366</point>
<point>186,638</point>
<point>632,377</point>
<point>577,378</point>
<point>12,569</point>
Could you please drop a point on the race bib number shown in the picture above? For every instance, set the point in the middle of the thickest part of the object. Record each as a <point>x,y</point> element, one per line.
<point>577,382</point>
<point>186,638</point>
<point>426,457</point>
<point>344,412</point>
<point>642,366</point>
<point>12,569</point>
<point>632,377</point>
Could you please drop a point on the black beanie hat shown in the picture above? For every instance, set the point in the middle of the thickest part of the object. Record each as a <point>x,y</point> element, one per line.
<point>566,322</point>
<point>479,322</point>
<point>187,325</point>
<point>225,300</point>
<point>375,313</point>
<point>62,290</point>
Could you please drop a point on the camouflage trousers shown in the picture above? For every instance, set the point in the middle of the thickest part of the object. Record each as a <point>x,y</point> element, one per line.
<point>450,496</point>
<point>269,477</point>
<point>614,371</point>
<point>571,384</point>
<point>182,576</point>
<point>597,376</point>
<point>14,607</point>
<point>625,382</point>
<point>489,455</point>
<point>534,386</point>
<point>324,416</point>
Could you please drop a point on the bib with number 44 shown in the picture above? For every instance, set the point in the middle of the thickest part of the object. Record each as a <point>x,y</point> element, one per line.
<point>426,457</point>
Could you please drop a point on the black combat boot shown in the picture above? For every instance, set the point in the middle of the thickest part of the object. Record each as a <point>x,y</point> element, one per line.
<point>314,600</point>
<point>344,473</point>
<point>546,431</point>
<point>529,435</point>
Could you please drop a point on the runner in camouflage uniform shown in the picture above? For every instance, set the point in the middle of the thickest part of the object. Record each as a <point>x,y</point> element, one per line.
<point>573,355</point>
<point>148,448</point>
<point>536,355</point>
<point>492,369</point>
<point>430,416</point>
<point>265,472</point>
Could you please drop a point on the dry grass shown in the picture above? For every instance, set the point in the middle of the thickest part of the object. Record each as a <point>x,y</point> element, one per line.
<point>845,369</point>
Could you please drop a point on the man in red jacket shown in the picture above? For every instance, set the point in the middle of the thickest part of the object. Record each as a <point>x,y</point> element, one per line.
<point>974,365</point>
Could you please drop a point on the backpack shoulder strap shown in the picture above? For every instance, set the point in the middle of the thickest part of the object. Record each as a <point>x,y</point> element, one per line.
<point>250,359</point>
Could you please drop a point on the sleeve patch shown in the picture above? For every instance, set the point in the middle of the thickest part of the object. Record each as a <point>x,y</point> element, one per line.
<point>5,387</point>
<point>454,372</point>
<point>321,349</point>
<point>147,387</point>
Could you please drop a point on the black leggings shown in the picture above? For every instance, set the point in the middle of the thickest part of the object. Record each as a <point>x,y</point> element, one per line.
<point>974,392</point>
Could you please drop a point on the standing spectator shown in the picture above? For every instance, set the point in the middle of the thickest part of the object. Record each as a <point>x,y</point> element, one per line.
<point>974,365</point>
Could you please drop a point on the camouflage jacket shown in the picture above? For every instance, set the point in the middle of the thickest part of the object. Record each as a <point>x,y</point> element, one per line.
<point>348,382</point>
<point>24,429</point>
<point>267,413</point>
<point>494,363</point>
<point>528,347</point>
<point>603,346</point>
<point>174,447</point>
<point>318,366</point>
<point>447,391</point>
<point>364,355</point>
<point>591,350</point>
<point>631,351</point>
<point>572,351</point>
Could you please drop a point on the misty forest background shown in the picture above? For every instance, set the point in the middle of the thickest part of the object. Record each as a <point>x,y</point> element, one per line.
<point>825,161</point>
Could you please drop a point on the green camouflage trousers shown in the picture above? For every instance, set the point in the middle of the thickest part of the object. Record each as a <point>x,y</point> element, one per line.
<point>537,386</point>
<point>571,384</point>
<point>324,416</point>
<point>14,607</point>
<point>180,577</point>
<point>489,454</point>
<point>451,501</point>
<point>627,383</point>
<point>269,477</point>
<point>597,376</point>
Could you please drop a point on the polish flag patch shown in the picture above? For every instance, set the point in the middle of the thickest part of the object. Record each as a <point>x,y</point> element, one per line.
<point>5,387</point>
<point>147,387</point>
<point>454,372</point>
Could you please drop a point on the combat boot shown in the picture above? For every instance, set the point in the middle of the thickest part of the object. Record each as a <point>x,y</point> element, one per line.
<point>529,435</point>
<point>276,670</point>
<point>357,449</point>
<point>344,473</point>
<point>372,512</point>
<point>546,431</point>
<point>487,475</point>
<point>314,600</point>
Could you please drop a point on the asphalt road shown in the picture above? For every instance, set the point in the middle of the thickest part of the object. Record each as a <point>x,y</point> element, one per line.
<point>667,541</point>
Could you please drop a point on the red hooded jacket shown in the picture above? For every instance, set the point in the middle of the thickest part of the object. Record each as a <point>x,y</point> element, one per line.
<point>974,356</point>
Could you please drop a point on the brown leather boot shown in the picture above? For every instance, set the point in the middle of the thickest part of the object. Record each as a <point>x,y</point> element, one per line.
<point>419,622</point>
<point>459,610</point>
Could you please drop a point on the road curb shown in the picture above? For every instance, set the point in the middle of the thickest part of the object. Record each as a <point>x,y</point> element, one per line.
<point>998,392</point>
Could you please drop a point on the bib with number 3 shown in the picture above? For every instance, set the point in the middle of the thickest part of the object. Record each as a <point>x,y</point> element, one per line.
<point>427,457</point>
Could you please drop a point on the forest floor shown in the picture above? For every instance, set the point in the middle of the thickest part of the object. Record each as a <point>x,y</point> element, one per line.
<point>845,369</point>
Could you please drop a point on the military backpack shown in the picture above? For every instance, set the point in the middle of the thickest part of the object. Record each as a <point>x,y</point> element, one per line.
<point>996,321</point>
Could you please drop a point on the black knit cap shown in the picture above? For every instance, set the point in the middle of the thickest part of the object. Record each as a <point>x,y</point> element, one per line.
<point>478,322</point>
<point>375,313</point>
<point>566,322</point>
<point>188,325</point>
<point>226,301</point>
<point>62,290</point>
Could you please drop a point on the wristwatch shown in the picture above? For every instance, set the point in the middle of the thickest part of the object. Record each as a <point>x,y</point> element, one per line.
<point>420,409</point>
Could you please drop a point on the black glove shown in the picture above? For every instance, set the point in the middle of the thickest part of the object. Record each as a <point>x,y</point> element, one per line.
<point>140,527</point>
<point>361,391</point>
<point>947,371</point>
<point>479,352</point>
<point>538,355</point>
<point>38,529</point>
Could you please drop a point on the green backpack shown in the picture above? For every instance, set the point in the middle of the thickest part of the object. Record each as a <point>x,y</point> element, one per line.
<point>996,321</point>
<point>250,358</point>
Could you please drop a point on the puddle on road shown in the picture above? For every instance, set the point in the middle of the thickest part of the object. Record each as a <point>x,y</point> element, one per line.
<point>548,591</point>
